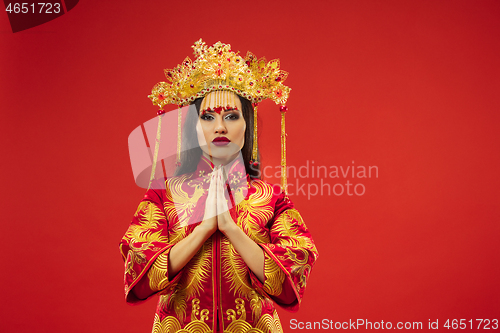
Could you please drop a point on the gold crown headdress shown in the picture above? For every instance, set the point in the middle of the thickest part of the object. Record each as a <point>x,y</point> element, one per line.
<point>219,68</point>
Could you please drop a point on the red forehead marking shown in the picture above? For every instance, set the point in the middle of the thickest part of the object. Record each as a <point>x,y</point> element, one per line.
<point>219,109</point>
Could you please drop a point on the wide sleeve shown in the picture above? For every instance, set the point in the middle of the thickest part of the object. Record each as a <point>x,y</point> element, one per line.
<point>145,249</point>
<point>289,257</point>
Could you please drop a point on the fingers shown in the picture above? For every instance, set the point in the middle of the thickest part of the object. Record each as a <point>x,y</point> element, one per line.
<point>221,187</point>
<point>223,174</point>
<point>213,185</point>
<point>211,203</point>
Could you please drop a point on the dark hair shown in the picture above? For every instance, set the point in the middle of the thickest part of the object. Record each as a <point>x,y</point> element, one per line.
<point>192,152</point>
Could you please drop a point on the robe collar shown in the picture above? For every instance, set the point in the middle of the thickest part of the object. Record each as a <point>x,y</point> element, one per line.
<point>234,169</point>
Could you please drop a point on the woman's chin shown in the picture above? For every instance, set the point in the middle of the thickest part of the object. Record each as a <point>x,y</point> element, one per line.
<point>224,153</point>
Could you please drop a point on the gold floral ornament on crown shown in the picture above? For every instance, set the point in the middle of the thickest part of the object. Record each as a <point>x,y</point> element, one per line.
<point>219,68</point>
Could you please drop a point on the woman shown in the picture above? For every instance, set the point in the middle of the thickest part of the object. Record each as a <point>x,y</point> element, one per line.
<point>217,244</point>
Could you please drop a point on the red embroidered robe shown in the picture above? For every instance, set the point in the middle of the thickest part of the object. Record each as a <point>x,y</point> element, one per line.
<point>216,291</point>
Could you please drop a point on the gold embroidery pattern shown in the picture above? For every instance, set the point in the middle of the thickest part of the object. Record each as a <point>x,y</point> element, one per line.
<point>256,208</point>
<point>235,271</point>
<point>274,276</point>
<point>179,204</point>
<point>172,325</point>
<point>289,232</point>
<point>266,324</point>
<point>238,183</point>
<point>177,233</point>
<point>240,310</point>
<point>292,238</point>
<point>140,236</point>
<point>148,216</point>
<point>196,272</point>
<point>203,178</point>
<point>158,273</point>
<point>301,268</point>
<point>196,311</point>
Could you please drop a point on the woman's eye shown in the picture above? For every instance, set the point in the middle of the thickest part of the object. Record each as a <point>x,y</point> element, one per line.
<point>232,116</point>
<point>206,116</point>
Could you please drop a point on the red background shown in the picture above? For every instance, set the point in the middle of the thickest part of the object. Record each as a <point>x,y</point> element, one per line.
<point>409,86</point>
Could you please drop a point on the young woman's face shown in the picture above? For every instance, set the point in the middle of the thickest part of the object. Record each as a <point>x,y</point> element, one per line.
<point>221,134</point>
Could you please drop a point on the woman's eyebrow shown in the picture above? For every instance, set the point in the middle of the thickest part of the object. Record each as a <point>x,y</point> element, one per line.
<point>227,110</point>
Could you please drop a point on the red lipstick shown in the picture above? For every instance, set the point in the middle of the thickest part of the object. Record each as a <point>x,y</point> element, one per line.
<point>221,141</point>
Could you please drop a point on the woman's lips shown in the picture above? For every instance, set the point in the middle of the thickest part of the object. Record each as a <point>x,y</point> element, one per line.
<point>221,141</point>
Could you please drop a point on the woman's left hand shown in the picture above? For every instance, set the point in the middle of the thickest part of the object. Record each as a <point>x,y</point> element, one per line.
<point>225,221</point>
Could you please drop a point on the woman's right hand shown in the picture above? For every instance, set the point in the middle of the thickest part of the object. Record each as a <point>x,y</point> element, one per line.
<point>209,223</point>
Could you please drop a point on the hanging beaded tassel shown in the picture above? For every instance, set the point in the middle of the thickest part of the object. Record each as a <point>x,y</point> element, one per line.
<point>254,150</point>
<point>157,148</point>
<point>284,186</point>
<point>179,123</point>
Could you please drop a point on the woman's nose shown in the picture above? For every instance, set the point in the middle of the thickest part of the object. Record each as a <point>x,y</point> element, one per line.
<point>219,127</point>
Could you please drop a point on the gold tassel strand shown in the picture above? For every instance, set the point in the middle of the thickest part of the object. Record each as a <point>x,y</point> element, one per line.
<point>255,147</point>
<point>157,148</point>
<point>284,186</point>
<point>179,127</point>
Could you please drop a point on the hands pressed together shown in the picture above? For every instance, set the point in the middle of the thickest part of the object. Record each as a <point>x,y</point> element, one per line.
<point>217,214</point>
